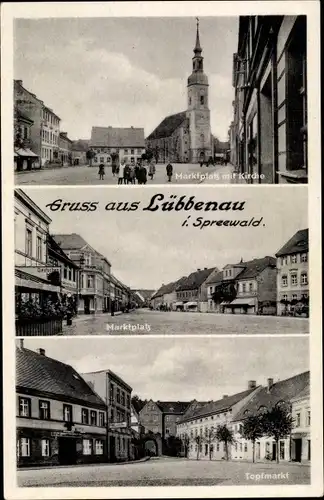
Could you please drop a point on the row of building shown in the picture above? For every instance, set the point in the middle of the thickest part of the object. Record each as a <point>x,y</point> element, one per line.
<point>62,267</point>
<point>268,134</point>
<point>38,139</point>
<point>64,417</point>
<point>267,285</point>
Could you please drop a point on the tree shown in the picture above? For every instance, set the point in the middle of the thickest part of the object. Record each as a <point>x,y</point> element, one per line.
<point>173,446</point>
<point>185,444</point>
<point>90,154</point>
<point>210,437</point>
<point>252,430</point>
<point>226,292</point>
<point>198,440</point>
<point>225,435</point>
<point>277,423</point>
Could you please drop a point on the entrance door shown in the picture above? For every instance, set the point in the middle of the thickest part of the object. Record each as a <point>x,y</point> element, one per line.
<point>67,451</point>
<point>112,449</point>
<point>257,451</point>
<point>274,451</point>
<point>298,450</point>
<point>86,305</point>
<point>202,157</point>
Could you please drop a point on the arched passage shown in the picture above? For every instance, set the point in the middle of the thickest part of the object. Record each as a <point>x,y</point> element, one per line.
<point>153,445</point>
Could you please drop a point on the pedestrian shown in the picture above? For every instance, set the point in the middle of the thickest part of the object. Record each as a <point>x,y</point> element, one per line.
<point>137,170</point>
<point>143,175</point>
<point>101,171</point>
<point>121,172</point>
<point>126,173</point>
<point>151,169</point>
<point>169,170</point>
<point>132,174</point>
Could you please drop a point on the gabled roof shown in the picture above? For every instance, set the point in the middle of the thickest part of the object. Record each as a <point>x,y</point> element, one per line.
<point>117,137</point>
<point>169,287</point>
<point>168,126</point>
<point>218,406</point>
<point>193,407</point>
<point>70,241</point>
<point>284,390</point>
<point>175,407</point>
<point>215,277</point>
<point>195,279</point>
<point>254,267</point>
<point>146,294</point>
<point>298,243</point>
<point>56,248</point>
<point>37,372</point>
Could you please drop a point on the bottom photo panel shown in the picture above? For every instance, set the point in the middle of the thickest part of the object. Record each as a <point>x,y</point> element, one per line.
<point>172,411</point>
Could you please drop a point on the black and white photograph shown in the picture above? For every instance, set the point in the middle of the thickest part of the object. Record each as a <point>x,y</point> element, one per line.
<point>186,261</point>
<point>214,100</point>
<point>186,412</point>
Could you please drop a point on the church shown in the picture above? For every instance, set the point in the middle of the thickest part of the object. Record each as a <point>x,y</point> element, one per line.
<point>186,137</point>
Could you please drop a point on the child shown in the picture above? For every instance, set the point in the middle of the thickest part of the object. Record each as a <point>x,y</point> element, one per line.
<point>101,171</point>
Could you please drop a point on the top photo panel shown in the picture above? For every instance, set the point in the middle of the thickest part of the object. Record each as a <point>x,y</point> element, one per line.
<point>154,100</point>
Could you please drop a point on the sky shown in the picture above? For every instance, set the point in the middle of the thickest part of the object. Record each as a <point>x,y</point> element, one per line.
<point>124,71</point>
<point>181,369</point>
<point>148,248</point>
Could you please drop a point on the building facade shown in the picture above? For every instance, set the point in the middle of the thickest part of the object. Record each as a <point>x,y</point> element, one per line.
<point>60,420</point>
<point>293,275</point>
<point>117,395</point>
<point>45,129</point>
<point>300,435</point>
<point>127,143</point>
<point>24,157</point>
<point>269,127</point>
<point>65,149</point>
<point>192,292</point>
<point>186,136</point>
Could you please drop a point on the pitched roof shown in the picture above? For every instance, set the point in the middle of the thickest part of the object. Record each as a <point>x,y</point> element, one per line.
<point>146,294</point>
<point>218,406</point>
<point>54,247</point>
<point>215,277</point>
<point>169,287</point>
<point>254,267</point>
<point>195,279</point>
<point>284,390</point>
<point>40,373</point>
<point>80,145</point>
<point>168,126</point>
<point>172,406</point>
<point>298,243</point>
<point>70,241</point>
<point>117,137</point>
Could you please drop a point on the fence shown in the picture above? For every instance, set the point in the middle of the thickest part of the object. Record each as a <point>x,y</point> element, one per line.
<point>38,327</point>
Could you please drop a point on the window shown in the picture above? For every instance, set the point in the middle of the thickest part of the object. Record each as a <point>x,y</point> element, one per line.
<point>304,279</point>
<point>45,447</point>
<point>294,280</point>
<point>93,417</point>
<point>25,447</point>
<point>118,395</point>
<point>250,287</point>
<point>126,151</point>
<point>101,419</point>
<point>284,281</point>
<point>102,159</point>
<point>202,99</point>
<point>24,407</point>
<point>67,413</point>
<point>99,447</point>
<point>285,297</point>
<point>132,151</point>
<point>294,296</point>
<point>189,101</point>
<point>128,401</point>
<point>243,287</point>
<point>297,419</point>
<point>304,257</point>
<point>308,418</point>
<point>123,398</point>
<point>44,410</point>
<point>245,447</point>
<point>90,281</point>
<point>294,259</point>
<point>217,446</point>
<point>282,450</point>
<point>29,242</point>
<point>87,447</point>
<point>84,416</point>
<point>111,394</point>
<point>167,430</point>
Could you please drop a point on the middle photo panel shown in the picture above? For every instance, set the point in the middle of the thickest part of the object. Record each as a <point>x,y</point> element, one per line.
<point>157,261</point>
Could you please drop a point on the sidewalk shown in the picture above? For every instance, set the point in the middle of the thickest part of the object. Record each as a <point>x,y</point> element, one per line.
<point>106,464</point>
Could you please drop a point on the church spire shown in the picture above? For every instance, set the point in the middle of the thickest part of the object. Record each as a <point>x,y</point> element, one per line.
<point>197,49</point>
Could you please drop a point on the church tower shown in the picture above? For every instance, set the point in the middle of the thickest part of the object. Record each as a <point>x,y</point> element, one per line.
<point>198,111</point>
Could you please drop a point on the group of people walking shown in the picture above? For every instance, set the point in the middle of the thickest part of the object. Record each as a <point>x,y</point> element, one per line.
<point>130,173</point>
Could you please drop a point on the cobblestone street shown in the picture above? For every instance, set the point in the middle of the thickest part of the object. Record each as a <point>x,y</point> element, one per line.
<point>183,173</point>
<point>144,321</point>
<point>168,472</point>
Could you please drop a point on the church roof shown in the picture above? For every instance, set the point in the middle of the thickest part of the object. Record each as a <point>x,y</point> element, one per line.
<point>117,137</point>
<point>168,126</point>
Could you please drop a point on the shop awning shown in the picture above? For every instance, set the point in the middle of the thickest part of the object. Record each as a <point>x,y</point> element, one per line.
<point>300,435</point>
<point>178,304</point>
<point>25,280</point>
<point>26,152</point>
<point>191,304</point>
<point>242,302</point>
<point>225,303</point>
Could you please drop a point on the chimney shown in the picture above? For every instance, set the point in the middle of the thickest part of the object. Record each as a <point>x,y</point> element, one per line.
<point>251,384</point>
<point>270,384</point>
<point>41,351</point>
<point>21,344</point>
<point>205,268</point>
<point>19,82</point>
<point>198,269</point>
<point>225,396</point>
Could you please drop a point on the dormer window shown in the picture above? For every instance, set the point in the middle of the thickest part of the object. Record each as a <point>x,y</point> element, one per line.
<point>202,99</point>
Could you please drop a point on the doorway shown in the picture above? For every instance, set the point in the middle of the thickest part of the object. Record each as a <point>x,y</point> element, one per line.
<point>112,449</point>
<point>67,451</point>
<point>298,450</point>
<point>274,451</point>
<point>86,301</point>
